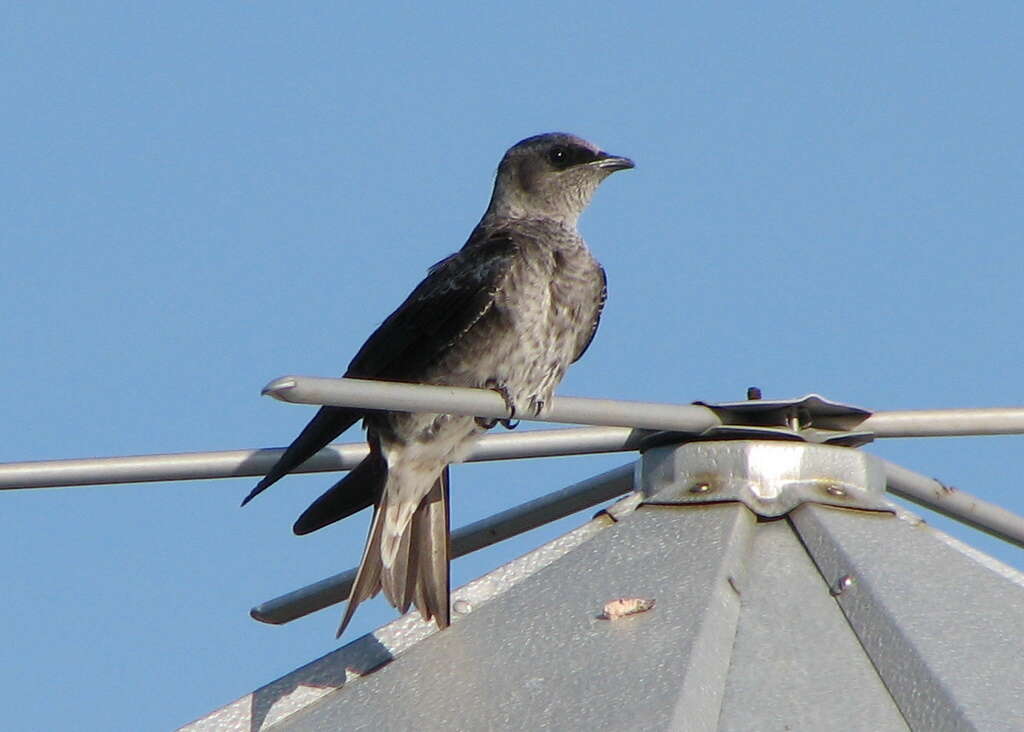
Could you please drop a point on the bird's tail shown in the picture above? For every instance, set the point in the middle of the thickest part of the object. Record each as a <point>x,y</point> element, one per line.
<point>417,570</point>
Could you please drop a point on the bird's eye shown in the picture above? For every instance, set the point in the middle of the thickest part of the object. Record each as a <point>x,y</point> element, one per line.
<point>558,156</point>
<point>566,156</point>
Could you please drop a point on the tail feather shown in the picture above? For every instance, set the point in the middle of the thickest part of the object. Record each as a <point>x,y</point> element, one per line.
<point>395,569</point>
<point>431,542</point>
<point>368,577</point>
<point>419,573</point>
<point>395,540</point>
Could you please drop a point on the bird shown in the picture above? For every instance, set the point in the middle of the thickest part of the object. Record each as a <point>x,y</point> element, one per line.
<point>509,311</point>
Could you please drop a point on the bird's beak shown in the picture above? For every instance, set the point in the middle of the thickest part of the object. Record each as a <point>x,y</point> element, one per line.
<point>612,162</point>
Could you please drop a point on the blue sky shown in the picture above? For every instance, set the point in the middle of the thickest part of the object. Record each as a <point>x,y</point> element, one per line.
<point>197,198</point>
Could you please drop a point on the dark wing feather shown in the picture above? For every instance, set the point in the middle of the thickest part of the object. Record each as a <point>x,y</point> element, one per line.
<point>597,317</point>
<point>327,424</point>
<point>351,494</point>
<point>456,294</point>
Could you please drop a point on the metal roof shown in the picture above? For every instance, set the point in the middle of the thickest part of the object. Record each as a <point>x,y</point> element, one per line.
<point>831,619</point>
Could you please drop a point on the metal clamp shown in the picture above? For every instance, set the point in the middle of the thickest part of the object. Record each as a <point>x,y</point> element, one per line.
<point>770,477</point>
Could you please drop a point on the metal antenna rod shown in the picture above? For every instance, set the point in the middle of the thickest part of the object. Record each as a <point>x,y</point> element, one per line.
<point>488,403</point>
<point>625,424</point>
<point>954,503</point>
<point>248,463</point>
<point>644,415</point>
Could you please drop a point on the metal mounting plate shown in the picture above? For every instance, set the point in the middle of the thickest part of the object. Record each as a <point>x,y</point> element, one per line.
<point>769,477</point>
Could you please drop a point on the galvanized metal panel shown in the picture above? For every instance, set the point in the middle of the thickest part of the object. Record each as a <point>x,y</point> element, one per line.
<point>272,704</point>
<point>538,656</point>
<point>943,630</point>
<point>796,664</point>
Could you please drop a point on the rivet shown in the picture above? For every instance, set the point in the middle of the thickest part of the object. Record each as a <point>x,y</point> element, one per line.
<point>462,607</point>
<point>842,585</point>
<point>835,490</point>
<point>700,488</point>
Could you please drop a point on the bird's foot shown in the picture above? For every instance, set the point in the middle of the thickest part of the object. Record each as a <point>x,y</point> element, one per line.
<point>510,422</point>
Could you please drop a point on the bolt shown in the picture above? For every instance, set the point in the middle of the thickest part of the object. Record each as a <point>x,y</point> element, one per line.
<point>842,585</point>
<point>753,393</point>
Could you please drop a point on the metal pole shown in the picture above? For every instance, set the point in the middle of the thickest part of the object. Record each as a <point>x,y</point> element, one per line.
<point>645,415</point>
<point>468,539</point>
<point>368,394</point>
<point>954,503</point>
<point>248,463</point>
<point>174,466</point>
<point>946,422</point>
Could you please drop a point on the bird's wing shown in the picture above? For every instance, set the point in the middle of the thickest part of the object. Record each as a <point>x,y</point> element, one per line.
<point>354,492</point>
<point>327,424</point>
<point>456,294</point>
<point>585,344</point>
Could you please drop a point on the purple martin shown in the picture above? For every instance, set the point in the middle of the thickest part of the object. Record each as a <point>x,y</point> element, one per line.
<point>509,311</point>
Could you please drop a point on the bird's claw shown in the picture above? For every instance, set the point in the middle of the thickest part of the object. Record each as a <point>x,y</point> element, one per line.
<point>510,422</point>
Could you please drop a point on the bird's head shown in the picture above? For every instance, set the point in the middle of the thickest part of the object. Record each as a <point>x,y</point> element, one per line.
<point>551,176</point>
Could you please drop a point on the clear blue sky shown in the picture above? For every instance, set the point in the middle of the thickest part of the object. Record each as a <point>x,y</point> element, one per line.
<point>196,198</point>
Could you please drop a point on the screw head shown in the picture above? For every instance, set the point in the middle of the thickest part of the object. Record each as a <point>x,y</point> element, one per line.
<point>842,585</point>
